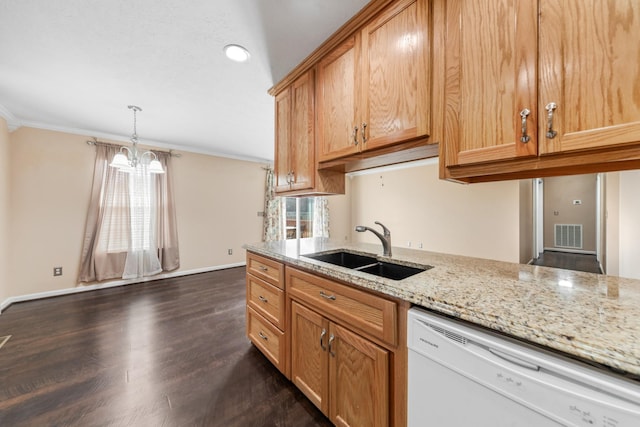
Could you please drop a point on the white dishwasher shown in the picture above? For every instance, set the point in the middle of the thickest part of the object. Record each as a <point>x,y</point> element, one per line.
<point>462,376</point>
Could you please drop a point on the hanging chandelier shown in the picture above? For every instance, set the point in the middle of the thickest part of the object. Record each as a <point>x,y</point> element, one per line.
<point>129,162</point>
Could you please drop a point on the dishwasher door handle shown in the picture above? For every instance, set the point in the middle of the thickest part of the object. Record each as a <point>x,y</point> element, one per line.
<point>513,359</point>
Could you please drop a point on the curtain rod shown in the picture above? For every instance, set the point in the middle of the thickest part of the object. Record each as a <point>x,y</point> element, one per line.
<point>95,141</point>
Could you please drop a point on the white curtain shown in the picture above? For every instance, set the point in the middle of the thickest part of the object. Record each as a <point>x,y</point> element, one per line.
<point>142,249</point>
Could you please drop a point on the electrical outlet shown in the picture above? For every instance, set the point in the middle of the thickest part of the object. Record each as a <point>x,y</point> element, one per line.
<point>230,251</point>
<point>57,271</point>
<point>577,202</point>
<point>408,243</point>
<point>420,245</point>
<point>260,213</point>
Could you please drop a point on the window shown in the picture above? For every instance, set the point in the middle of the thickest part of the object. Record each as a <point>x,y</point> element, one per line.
<point>312,213</point>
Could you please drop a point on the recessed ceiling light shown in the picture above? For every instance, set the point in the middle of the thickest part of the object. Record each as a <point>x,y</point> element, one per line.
<point>236,53</point>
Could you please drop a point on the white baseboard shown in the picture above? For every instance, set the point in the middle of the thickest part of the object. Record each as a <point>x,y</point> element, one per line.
<point>112,284</point>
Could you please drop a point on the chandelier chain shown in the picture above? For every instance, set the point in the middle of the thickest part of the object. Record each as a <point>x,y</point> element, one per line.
<point>135,108</point>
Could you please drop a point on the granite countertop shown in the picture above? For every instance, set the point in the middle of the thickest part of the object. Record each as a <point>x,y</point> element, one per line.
<point>591,316</point>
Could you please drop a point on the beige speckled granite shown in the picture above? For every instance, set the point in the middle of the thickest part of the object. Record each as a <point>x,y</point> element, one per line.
<point>593,317</point>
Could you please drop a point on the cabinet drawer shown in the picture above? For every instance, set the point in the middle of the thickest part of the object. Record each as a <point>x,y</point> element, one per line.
<point>266,299</point>
<point>359,309</point>
<point>267,269</point>
<point>268,338</point>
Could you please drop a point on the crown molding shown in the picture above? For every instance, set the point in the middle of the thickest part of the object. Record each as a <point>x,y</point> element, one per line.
<point>145,142</point>
<point>12,121</point>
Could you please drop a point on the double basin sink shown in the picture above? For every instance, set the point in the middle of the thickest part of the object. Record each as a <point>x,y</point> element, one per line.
<point>368,264</point>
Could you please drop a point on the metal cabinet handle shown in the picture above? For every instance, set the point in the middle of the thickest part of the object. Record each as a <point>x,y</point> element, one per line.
<point>262,268</point>
<point>263,336</point>
<point>523,115</point>
<point>364,133</point>
<point>325,296</point>
<point>263,299</point>
<point>354,135</point>
<point>322,335</point>
<point>551,107</point>
<point>293,177</point>
<point>331,339</point>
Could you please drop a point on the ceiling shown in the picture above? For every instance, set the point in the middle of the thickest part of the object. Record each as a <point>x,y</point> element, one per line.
<point>75,65</point>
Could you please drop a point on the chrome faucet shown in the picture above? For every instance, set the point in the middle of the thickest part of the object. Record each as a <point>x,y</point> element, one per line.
<point>385,239</point>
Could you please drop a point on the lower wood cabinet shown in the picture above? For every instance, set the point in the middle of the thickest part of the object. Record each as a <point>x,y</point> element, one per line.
<point>343,374</point>
<point>343,346</point>
<point>269,339</point>
<point>266,313</point>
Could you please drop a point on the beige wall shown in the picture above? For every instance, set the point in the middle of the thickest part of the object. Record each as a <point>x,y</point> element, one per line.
<point>340,226</point>
<point>612,221</point>
<point>50,185</point>
<point>4,209</point>
<point>526,220</point>
<point>480,220</point>
<point>559,194</point>
<point>629,212</point>
<point>217,204</point>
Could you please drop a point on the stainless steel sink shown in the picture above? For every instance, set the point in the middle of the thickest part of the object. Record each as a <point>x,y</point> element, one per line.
<point>368,263</point>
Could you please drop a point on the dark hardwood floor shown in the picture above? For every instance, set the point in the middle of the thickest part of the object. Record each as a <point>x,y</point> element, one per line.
<point>568,261</point>
<point>167,353</point>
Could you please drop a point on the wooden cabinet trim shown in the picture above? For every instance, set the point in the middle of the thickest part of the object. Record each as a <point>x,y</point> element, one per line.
<point>369,381</point>
<point>309,361</point>
<point>266,269</point>
<point>369,314</point>
<point>267,300</point>
<point>269,339</point>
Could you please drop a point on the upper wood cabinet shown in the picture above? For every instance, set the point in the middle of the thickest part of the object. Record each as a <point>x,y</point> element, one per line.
<point>589,67</point>
<point>295,137</point>
<point>373,90</point>
<point>491,77</point>
<point>539,88</point>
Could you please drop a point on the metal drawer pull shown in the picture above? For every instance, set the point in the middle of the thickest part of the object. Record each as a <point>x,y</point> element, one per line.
<point>293,177</point>
<point>263,299</point>
<point>551,107</point>
<point>523,115</point>
<point>324,332</point>
<point>331,338</point>
<point>263,336</point>
<point>364,134</point>
<point>355,135</point>
<point>263,268</point>
<point>331,297</point>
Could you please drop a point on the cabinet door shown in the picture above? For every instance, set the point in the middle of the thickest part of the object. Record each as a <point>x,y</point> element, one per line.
<point>491,53</point>
<point>359,378</point>
<point>302,133</point>
<point>337,102</point>
<point>396,85</point>
<point>283,140</point>
<point>589,67</point>
<point>309,363</point>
